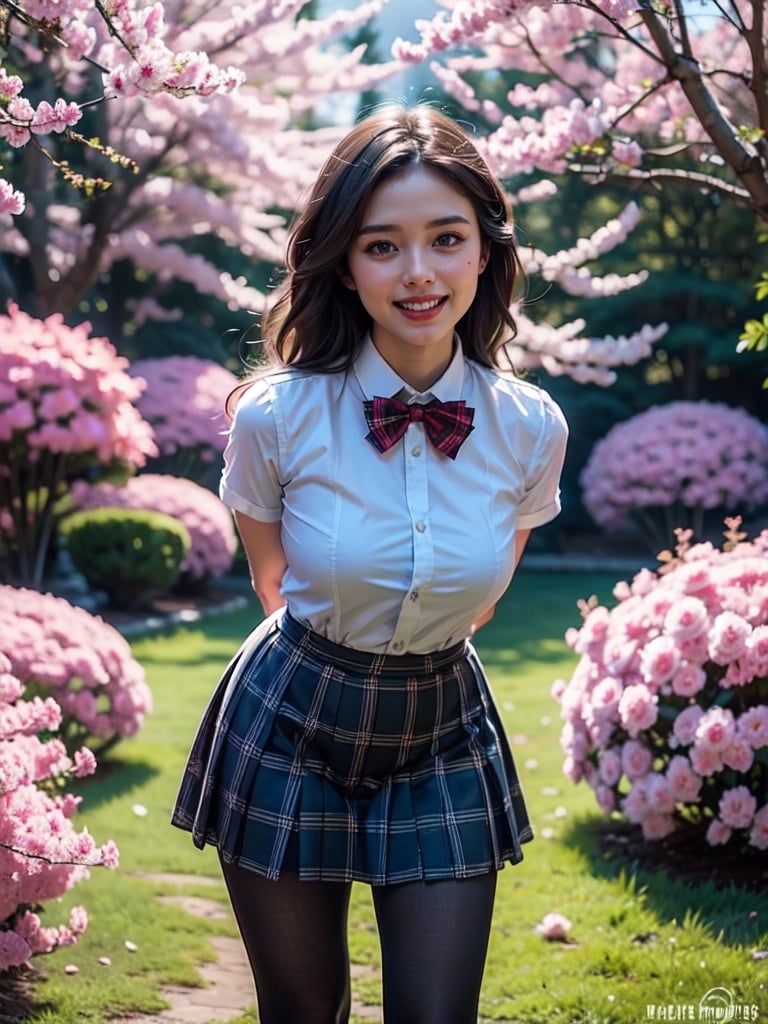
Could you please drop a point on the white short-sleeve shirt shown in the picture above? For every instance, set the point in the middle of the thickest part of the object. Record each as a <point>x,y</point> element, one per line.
<point>397,552</point>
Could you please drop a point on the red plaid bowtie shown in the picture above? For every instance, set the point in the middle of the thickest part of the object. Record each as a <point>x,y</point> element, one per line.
<point>448,424</point>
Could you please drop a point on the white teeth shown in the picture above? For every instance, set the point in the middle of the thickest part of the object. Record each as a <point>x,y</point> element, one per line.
<point>418,307</point>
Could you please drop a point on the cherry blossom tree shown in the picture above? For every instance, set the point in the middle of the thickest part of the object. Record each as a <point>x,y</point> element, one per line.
<point>649,93</point>
<point>646,94</point>
<point>123,102</point>
<point>186,149</point>
<point>643,89</point>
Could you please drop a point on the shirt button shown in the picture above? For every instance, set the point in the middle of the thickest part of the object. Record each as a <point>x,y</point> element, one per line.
<point>414,595</point>
<point>421,526</point>
<point>398,645</point>
<point>416,451</point>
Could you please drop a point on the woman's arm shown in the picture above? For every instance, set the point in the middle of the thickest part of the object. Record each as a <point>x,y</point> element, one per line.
<point>266,559</point>
<point>521,539</point>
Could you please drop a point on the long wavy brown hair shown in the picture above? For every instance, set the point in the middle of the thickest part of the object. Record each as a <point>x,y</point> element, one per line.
<point>318,323</point>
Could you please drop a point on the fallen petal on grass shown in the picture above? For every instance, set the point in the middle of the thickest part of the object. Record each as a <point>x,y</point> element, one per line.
<point>554,927</point>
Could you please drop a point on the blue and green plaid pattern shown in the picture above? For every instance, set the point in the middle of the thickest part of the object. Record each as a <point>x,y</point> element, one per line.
<point>341,765</point>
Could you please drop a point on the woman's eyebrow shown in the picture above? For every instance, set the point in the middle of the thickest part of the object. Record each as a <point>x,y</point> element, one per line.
<point>374,229</point>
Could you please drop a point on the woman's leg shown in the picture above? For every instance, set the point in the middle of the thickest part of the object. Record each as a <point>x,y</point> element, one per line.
<point>295,935</point>
<point>434,940</point>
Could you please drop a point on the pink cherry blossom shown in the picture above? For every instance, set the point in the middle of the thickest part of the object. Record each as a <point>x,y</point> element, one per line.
<point>635,805</point>
<point>684,783</point>
<point>716,729</point>
<point>686,619</point>
<point>738,755</point>
<point>636,759</point>
<point>706,761</point>
<point>688,680</point>
<point>686,724</point>
<point>752,726</point>
<point>605,696</point>
<point>729,637</point>
<point>718,833</point>
<point>737,807</point>
<point>659,661</point>
<point>758,835</point>
<point>609,765</point>
<point>637,709</point>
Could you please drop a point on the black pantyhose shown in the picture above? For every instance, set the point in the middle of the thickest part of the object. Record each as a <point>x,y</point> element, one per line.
<point>434,939</point>
<point>295,935</point>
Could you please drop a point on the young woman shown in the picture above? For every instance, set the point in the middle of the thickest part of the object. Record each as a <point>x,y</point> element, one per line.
<point>385,475</point>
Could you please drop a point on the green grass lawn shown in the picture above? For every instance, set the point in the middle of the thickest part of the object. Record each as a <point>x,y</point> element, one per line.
<point>642,947</point>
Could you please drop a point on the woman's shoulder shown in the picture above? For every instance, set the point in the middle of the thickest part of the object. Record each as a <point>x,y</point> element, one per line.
<point>280,383</point>
<point>518,394</point>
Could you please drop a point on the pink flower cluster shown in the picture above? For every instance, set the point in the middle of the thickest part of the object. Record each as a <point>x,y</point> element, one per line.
<point>691,454</point>
<point>205,516</point>
<point>184,401</point>
<point>78,659</point>
<point>19,120</point>
<point>140,61</point>
<point>63,391</point>
<point>41,854</point>
<point>66,404</point>
<point>151,66</point>
<point>666,714</point>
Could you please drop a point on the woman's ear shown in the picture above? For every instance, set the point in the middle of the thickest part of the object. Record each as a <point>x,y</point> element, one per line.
<point>485,253</point>
<point>346,278</point>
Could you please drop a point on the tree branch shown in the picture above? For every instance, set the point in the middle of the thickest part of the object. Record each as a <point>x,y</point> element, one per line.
<point>668,176</point>
<point>755,38</point>
<point>747,166</point>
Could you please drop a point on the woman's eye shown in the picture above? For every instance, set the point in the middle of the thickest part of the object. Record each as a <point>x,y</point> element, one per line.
<point>380,248</point>
<point>448,239</point>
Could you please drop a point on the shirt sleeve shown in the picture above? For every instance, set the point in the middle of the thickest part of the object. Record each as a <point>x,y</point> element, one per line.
<point>250,481</point>
<point>541,501</point>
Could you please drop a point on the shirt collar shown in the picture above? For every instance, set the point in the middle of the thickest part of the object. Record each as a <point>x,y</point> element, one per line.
<point>376,376</point>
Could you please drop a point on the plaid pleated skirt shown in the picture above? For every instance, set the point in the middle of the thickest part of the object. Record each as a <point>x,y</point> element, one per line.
<point>340,765</point>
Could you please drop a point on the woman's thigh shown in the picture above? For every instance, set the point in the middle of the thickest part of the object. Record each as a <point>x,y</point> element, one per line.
<point>295,935</point>
<point>434,941</point>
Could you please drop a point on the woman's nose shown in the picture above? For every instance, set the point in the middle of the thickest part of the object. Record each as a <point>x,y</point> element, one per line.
<point>418,268</point>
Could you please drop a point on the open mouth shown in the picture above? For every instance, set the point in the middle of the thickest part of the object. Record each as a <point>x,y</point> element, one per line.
<point>422,306</point>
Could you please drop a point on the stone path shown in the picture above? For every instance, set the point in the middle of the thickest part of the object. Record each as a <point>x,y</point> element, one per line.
<point>227,989</point>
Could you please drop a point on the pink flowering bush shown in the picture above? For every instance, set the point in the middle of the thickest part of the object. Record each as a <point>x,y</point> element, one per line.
<point>41,854</point>
<point>207,519</point>
<point>672,460</point>
<point>64,652</point>
<point>666,714</point>
<point>184,401</point>
<point>66,409</point>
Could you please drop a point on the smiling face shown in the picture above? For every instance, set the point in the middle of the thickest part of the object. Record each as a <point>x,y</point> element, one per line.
<point>415,264</point>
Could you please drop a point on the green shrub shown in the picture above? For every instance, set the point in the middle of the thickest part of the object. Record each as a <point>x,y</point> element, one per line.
<point>131,554</point>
